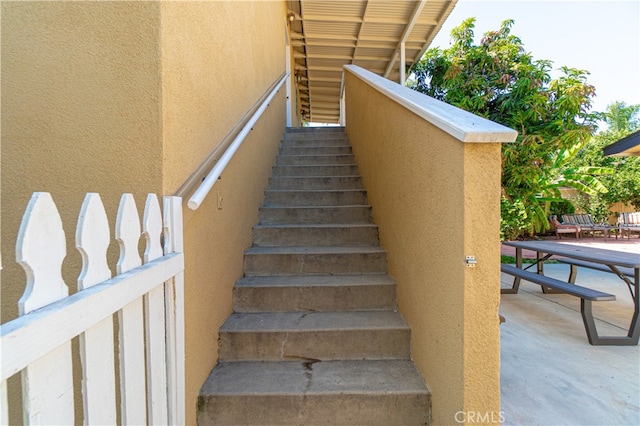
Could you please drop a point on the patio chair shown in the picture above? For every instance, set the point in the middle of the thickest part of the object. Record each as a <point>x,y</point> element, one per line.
<point>564,228</point>
<point>628,223</point>
<point>587,225</point>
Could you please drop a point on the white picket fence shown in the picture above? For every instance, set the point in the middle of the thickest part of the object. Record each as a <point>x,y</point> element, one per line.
<point>146,295</point>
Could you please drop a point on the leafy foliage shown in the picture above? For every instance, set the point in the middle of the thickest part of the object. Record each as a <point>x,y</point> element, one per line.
<point>594,205</point>
<point>513,220</point>
<point>499,80</point>
<point>624,184</point>
<point>621,118</point>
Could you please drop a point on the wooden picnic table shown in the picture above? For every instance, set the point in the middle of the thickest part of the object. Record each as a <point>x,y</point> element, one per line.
<point>601,257</point>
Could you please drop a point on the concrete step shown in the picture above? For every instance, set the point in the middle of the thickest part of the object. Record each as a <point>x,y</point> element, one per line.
<point>316,170</point>
<point>327,214</point>
<point>319,129</point>
<point>328,139</point>
<point>261,261</point>
<point>304,143</point>
<point>290,336</point>
<point>347,197</point>
<point>314,293</point>
<point>317,150</point>
<point>389,392</point>
<point>312,160</point>
<point>315,235</point>
<point>315,136</point>
<point>320,182</point>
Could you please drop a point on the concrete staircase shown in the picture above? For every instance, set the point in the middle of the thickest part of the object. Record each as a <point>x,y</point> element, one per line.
<point>315,337</point>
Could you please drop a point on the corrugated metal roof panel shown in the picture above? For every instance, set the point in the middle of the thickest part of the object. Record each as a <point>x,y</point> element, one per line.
<point>329,51</point>
<point>366,51</point>
<point>380,29</point>
<point>320,75</point>
<point>322,7</point>
<point>336,29</point>
<point>327,35</point>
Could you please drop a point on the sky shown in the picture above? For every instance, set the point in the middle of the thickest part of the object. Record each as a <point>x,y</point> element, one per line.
<point>602,37</point>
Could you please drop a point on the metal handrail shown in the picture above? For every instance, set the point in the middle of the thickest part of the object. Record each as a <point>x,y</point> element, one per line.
<point>201,192</point>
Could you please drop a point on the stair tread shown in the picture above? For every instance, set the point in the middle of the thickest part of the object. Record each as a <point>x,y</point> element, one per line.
<point>315,293</point>
<point>315,214</point>
<point>316,155</point>
<point>316,149</point>
<point>313,159</point>
<point>323,377</point>
<point>316,142</point>
<point>317,170</point>
<point>316,190</point>
<point>314,250</point>
<point>315,135</point>
<point>342,206</point>
<point>316,165</point>
<point>324,143</point>
<point>317,129</point>
<point>316,280</point>
<point>316,177</point>
<point>331,141</point>
<point>313,321</point>
<point>316,182</point>
<point>315,225</point>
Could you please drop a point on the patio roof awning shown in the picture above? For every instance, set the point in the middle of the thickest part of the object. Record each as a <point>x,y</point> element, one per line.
<point>329,34</point>
<point>629,145</point>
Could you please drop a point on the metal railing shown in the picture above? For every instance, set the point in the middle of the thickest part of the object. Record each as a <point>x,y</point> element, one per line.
<point>216,165</point>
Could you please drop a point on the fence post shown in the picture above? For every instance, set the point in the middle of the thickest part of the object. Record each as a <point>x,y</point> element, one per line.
<point>96,343</point>
<point>130,319</point>
<point>174,297</point>
<point>47,384</point>
<point>155,320</point>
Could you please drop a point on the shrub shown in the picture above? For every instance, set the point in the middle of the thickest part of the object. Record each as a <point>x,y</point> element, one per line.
<point>513,219</point>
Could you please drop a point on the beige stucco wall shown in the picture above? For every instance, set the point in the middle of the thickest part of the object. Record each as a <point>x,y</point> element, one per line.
<point>436,200</point>
<point>80,112</point>
<point>218,58</point>
<point>114,97</point>
<point>81,95</point>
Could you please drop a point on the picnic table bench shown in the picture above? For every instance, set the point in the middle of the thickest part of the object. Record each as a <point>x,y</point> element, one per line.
<point>565,287</point>
<point>625,265</point>
<point>574,263</point>
<point>586,295</point>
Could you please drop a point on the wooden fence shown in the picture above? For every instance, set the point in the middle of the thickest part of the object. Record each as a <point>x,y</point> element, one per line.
<point>615,208</point>
<point>145,298</point>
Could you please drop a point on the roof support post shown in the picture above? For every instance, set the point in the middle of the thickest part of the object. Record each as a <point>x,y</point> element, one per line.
<point>402,65</point>
<point>343,115</point>
<point>287,66</point>
<point>405,35</point>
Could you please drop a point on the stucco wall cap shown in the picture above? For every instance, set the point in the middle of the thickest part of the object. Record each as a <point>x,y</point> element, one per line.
<point>463,125</point>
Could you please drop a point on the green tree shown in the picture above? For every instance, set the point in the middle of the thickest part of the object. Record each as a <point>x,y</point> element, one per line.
<point>499,80</point>
<point>621,118</point>
<point>624,184</point>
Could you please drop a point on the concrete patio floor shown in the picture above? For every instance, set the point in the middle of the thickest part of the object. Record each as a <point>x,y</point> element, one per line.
<point>550,374</point>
